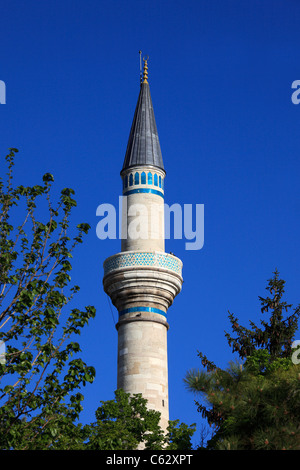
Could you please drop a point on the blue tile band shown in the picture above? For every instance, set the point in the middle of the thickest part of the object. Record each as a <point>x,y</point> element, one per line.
<point>143,309</point>
<point>143,190</point>
<point>145,259</point>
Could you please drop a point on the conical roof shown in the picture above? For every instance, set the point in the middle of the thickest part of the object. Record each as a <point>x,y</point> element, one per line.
<point>143,146</point>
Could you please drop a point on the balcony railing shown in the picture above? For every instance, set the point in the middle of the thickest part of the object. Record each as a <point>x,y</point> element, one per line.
<point>154,259</point>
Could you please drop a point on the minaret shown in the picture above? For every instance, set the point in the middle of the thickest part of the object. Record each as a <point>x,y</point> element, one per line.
<point>142,280</point>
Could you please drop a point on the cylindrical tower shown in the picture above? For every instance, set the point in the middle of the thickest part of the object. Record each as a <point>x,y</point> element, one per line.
<point>142,280</point>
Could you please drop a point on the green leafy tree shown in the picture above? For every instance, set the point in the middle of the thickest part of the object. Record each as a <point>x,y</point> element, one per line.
<point>254,404</point>
<point>126,423</point>
<point>41,374</point>
<point>179,435</point>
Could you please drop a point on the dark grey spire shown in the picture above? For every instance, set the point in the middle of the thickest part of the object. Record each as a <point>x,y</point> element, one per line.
<point>143,146</point>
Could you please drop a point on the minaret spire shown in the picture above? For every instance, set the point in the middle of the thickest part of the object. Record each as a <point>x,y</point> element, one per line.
<point>143,146</point>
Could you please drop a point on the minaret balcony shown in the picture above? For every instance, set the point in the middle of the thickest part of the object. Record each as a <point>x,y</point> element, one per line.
<point>138,278</point>
<point>131,259</point>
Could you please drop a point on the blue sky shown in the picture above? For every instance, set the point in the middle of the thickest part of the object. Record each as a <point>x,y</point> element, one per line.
<point>220,74</point>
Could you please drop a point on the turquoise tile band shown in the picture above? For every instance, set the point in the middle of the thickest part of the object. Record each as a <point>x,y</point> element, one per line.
<point>142,309</point>
<point>143,190</point>
<point>145,259</point>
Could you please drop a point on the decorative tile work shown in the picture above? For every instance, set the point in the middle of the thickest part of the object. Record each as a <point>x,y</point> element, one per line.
<point>141,190</point>
<point>141,178</point>
<point>136,258</point>
<point>143,309</point>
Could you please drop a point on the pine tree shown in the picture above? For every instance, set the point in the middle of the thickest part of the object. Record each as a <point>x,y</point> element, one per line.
<point>254,403</point>
<point>276,335</point>
<point>252,407</point>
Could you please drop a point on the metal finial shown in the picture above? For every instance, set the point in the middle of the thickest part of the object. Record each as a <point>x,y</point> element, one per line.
<point>145,59</point>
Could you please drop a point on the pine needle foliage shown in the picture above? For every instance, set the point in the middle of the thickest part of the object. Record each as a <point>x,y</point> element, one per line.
<point>254,404</point>
<point>276,333</point>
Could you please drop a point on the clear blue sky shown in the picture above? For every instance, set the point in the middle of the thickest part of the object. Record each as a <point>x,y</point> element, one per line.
<point>220,74</point>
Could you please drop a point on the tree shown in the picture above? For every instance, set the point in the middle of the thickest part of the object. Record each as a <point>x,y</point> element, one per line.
<point>41,376</point>
<point>277,334</point>
<point>126,422</point>
<point>179,436</point>
<point>254,403</point>
<point>255,406</point>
